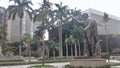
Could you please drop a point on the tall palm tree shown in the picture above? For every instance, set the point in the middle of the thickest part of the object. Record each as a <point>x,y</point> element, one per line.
<point>71,42</point>
<point>18,9</point>
<point>54,46</point>
<point>66,43</point>
<point>62,16</point>
<point>76,41</point>
<point>106,19</point>
<point>44,15</point>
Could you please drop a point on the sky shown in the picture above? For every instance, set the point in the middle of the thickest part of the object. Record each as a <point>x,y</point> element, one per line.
<point>109,6</point>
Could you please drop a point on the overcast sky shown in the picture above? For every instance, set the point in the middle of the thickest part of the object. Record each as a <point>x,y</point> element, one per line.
<point>109,6</point>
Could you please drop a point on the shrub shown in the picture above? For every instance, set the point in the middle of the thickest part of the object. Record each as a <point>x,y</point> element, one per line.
<point>69,66</point>
<point>104,66</point>
<point>88,67</point>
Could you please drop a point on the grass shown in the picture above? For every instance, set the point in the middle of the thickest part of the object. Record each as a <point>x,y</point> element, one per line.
<point>21,62</point>
<point>41,66</point>
<point>112,63</point>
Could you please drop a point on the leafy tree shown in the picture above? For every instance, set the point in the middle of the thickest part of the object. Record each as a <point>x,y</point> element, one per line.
<point>18,9</point>
<point>7,49</point>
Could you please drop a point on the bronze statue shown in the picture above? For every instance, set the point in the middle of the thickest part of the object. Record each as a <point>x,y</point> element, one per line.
<point>91,41</point>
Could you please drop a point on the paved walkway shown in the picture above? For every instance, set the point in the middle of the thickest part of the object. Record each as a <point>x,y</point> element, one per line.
<point>57,65</point>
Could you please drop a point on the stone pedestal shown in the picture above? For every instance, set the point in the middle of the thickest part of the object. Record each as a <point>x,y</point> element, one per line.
<point>88,62</point>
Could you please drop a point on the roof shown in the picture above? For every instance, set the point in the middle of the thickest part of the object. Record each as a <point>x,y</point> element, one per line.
<point>90,10</point>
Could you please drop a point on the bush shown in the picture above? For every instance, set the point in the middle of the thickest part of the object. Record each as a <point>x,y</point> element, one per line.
<point>69,66</point>
<point>80,67</point>
<point>10,60</point>
<point>88,67</point>
<point>41,66</point>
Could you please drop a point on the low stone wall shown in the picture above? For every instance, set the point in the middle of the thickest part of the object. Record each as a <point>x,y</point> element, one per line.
<point>88,62</point>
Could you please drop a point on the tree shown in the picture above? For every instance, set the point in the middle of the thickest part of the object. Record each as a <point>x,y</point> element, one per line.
<point>62,16</point>
<point>44,15</point>
<point>106,19</point>
<point>54,46</point>
<point>27,40</point>
<point>66,43</point>
<point>78,35</point>
<point>1,38</point>
<point>7,50</point>
<point>71,41</point>
<point>19,9</point>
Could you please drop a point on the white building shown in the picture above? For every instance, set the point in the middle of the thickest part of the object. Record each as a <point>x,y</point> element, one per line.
<point>113,26</point>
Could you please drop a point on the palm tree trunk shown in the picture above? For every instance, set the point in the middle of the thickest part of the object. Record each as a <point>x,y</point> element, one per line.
<point>106,39</point>
<point>26,50</point>
<point>60,39</point>
<point>71,51</point>
<point>79,50</point>
<point>66,50</point>
<point>75,50</point>
<point>54,53</point>
<point>43,51</point>
<point>20,38</point>
<point>48,53</point>
<point>29,52</point>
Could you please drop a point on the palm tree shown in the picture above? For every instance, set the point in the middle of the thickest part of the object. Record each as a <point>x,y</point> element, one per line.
<point>62,16</point>
<point>66,43</point>
<point>27,39</point>
<point>78,35</point>
<point>44,15</point>
<point>54,46</point>
<point>18,9</point>
<point>76,41</point>
<point>106,19</point>
<point>71,42</point>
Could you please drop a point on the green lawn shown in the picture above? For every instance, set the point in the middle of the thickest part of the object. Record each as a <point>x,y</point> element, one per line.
<point>21,62</point>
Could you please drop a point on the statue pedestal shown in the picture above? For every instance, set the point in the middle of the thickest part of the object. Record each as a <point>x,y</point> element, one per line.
<point>88,62</point>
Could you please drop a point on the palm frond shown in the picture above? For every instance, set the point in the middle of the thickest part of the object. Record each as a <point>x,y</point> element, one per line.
<point>30,14</point>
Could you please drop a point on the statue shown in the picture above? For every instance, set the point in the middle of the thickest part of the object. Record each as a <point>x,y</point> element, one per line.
<point>91,41</point>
